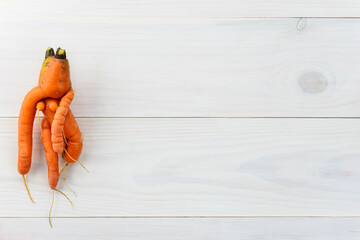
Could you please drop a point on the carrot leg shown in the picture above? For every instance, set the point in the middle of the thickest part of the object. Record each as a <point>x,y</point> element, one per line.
<point>71,131</point>
<point>25,128</point>
<point>74,138</point>
<point>57,126</point>
<point>51,156</point>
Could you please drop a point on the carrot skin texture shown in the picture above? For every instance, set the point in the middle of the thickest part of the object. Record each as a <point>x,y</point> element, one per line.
<point>71,130</point>
<point>40,105</point>
<point>53,105</point>
<point>56,79</point>
<point>52,158</point>
<point>43,69</point>
<point>25,128</point>
<point>74,138</point>
<point>57,126</point>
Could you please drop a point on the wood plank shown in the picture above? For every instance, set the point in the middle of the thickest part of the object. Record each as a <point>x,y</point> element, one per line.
<point>181,228</point>
<point>191,67</point>
<point>184,8</point>
<point>196,167</point>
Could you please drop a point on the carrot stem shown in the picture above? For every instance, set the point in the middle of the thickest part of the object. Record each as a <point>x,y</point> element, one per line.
<point>66,197</point>
<point>75,160</point>
<point>52,204</point>
<point>27,189</point>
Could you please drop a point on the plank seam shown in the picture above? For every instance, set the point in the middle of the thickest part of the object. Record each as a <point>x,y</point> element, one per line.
<point>190,117</point>
<point>193,217</point>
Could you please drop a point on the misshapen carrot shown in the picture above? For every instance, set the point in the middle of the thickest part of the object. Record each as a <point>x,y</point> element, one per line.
<point>57,126</point>
<point>54,81</point>
<point>49,107</point>
<point>71,130</point>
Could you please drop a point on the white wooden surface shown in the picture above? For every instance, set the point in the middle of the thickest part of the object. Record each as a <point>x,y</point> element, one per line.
<point>197,167</point>
<point>182,228</point>
<point>197,116</point>
<point>191,67</point>
<point>175,8</point>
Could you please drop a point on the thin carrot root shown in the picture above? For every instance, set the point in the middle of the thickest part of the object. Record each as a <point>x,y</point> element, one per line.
<point>63,174</point>
<point>75,160</point>
<point>38,117</point>
<point>66,197</point>
<point>70,188</point>
<point>64,179</point>
<point>27,189</point>
<point>63,168</point>
<point>66,142</point>
<point>52,204</point>
<point>74,143</point>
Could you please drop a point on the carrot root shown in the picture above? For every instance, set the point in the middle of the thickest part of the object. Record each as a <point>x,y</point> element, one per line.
<point>27,189</point>
<point>66,142</point>
<point>66,197</point>
<point>63,168</point>
<point>52,204</point>
<point>75,160</point>
<point>70,188</point>
<point>63,174</point>
<point>64,179</point>
<point>74,143</point>
<point>38,117</point>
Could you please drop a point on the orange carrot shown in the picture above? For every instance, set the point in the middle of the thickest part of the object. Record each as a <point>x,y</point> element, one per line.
<point>54,81</point>
<point>71,131</point>
<point>51,156</point>
<point>57,126</point>
<point>53,97</point>
<point>25,128</point>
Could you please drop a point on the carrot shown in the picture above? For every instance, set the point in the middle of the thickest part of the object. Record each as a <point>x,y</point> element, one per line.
<point>25,128</point>
<point>54,81</point>
<point>71,131</point>
<point>51,156</point>
<point>57,126</point>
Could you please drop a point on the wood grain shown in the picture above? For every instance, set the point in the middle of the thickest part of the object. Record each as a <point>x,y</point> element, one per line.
<point>196,167</point>
<point>180,8</point>
<point>191,67</point>
<point>180,228</point>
